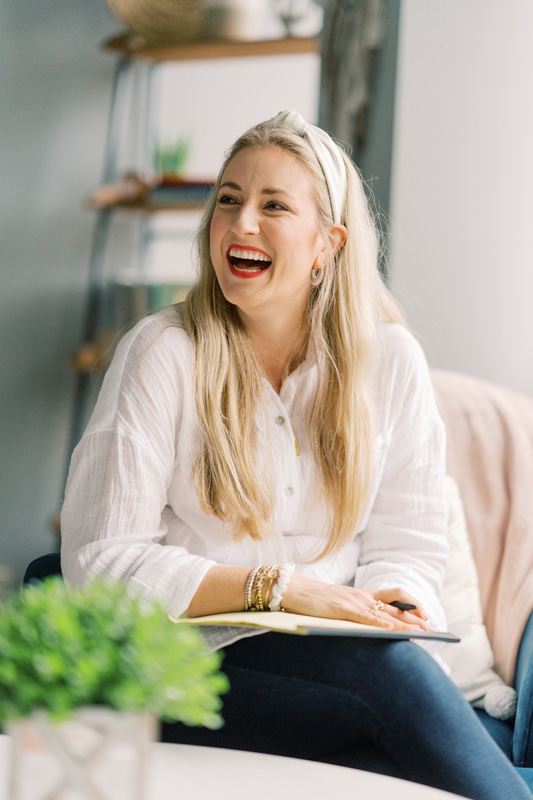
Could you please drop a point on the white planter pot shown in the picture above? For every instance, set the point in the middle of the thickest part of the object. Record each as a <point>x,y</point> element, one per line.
<point>96,754</point>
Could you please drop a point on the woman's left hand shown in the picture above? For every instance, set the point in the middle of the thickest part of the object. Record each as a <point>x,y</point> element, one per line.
<point>318,599</point>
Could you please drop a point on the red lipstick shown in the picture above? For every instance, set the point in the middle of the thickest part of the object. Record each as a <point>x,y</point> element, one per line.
<point>254,269</point>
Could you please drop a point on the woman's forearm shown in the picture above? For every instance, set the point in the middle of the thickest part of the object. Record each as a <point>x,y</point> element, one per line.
<point>221,591</point>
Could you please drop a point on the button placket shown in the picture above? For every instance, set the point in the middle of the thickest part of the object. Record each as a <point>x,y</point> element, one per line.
<point>288,474</point>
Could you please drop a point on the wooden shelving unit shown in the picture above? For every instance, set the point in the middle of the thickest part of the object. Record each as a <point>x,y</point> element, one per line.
<point>93,355</point>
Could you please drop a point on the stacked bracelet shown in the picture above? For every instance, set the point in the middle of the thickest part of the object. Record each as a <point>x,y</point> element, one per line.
<point>256,598</point>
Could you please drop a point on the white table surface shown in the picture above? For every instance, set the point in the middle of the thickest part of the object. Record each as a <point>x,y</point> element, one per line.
<point>195,773</point>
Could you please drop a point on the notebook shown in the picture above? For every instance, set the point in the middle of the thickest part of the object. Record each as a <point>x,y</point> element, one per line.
<point>283,622</point>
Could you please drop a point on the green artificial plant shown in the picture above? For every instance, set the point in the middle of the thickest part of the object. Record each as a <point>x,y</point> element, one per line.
<point>170,158</point>
<point>62,648</point>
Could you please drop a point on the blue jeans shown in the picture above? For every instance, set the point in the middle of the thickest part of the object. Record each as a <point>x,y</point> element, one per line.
<point>382,706</point>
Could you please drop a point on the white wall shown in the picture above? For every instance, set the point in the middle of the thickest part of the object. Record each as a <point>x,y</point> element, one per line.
<point>462,197</point>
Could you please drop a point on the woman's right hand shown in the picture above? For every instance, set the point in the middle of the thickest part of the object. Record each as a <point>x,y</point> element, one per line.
<point>318,599</point>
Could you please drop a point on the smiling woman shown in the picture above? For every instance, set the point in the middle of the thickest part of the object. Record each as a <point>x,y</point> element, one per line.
<point>274,443</point>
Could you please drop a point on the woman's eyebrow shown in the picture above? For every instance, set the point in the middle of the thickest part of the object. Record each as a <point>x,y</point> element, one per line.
<point>268,191</point>
<point>275,191</point>
<point>231,185</point>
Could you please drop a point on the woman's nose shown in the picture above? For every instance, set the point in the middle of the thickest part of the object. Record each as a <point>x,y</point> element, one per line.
<point>246,220</point>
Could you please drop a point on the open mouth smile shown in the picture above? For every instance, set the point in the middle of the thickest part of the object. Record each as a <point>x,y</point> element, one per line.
<point>247,262</point>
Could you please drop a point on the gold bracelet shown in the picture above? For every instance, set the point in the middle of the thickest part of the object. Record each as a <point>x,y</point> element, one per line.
<point>254,597</point>
<point>257,591</point>
<point>273,575</point>
<point>248,589</point>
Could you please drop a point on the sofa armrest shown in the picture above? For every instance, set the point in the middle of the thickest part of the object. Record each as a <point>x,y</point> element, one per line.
<point>523,729</point>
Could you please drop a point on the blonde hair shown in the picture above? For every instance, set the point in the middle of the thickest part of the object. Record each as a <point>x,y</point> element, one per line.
<point>342,315</point>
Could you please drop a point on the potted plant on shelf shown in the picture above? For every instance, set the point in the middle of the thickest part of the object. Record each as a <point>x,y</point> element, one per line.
<point>82,673</point>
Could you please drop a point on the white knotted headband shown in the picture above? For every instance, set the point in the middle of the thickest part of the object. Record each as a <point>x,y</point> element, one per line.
<point>327,153</point>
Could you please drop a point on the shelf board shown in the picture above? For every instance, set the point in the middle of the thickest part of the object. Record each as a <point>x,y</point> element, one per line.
<point>143,207</point>
<point>88,361</point>
<point>95,356</point>
<point>135,47</point>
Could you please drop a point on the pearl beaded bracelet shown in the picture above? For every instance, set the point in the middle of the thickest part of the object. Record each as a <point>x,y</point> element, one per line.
<point>280,587</point>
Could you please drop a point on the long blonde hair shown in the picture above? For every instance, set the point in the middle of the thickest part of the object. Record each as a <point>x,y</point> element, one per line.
<point>343,315</point>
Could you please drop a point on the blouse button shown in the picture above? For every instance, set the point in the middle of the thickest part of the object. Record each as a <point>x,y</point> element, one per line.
<point>289,491</point>
<point>280,420</point>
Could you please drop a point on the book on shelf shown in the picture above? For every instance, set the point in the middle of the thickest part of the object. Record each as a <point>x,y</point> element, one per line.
<point>283,622</point>
<point>176,192</point>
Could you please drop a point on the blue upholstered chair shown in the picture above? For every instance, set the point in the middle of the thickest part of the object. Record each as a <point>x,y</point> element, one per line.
<point>43,567</point>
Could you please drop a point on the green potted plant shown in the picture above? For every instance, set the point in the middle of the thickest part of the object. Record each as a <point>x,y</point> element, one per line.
<point>81,672</point>
<point>170,158</point>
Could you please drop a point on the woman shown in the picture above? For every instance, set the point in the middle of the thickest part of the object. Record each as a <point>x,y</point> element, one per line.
<point>274,443</point>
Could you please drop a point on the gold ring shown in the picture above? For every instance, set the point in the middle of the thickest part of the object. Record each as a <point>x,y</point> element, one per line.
<point>378,607</point>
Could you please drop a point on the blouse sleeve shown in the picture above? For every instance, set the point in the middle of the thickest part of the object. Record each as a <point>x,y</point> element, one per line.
<point>404,543</point>
<point>112,521</point>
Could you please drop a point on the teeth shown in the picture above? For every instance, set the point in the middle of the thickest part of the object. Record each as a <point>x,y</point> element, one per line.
<point>252,255</point>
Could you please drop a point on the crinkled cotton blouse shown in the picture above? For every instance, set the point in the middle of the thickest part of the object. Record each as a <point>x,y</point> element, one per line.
<point>131,510</point>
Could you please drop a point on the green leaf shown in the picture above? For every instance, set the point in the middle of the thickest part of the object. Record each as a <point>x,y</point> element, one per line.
<point>62,647</point>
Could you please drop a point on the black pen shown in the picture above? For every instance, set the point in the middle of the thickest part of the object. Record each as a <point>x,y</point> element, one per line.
<point>402,606</point>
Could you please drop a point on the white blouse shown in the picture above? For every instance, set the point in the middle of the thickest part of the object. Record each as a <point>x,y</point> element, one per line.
<point>131,510</point>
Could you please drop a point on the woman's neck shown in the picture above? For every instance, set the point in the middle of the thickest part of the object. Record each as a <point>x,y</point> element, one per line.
<point>280,346</point>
